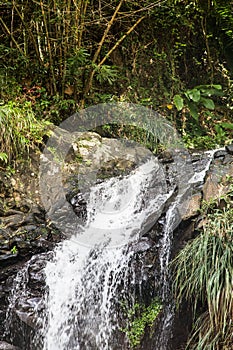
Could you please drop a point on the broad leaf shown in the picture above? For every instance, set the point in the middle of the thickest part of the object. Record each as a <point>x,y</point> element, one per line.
<point>217,87</point>
<point>211,92</point>
<point>179,102</point>
<point>194,95</point>
<point>207,103</point>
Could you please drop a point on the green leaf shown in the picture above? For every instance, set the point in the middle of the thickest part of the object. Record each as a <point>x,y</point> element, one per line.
<point>193,110</point>
<point>194,95</point>
<point>227,125</point>
<point>179,102</point>
<point>217,87</point>
<point>209,86</point>
<point>211,92</point>
<point>207,103</point>
<point>107,74</point>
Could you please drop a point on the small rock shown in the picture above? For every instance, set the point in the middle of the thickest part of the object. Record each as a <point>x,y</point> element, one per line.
<point>229,148</point>
<point>143,245</point>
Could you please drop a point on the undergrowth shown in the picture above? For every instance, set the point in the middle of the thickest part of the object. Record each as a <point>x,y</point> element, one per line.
<point>20,131</point>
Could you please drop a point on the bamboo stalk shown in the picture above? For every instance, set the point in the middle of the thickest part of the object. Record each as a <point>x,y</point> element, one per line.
<point>49,48</point>
<point>88,85</point>
<point>110,23</point>
<point>120,41</point>
<point>91,76</point>
<point>29,32</point>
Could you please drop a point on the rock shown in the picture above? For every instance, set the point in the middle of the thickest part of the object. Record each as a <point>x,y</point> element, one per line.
<point>143,245</point>
<point>212,189</point>
<point>215,184</point>
<point>79,205</point>
<point>229,148</point>
<point>6,346</point>
<point>192,205</point>
<point>166,157</point>
<point>220,154</point>
<point>227,159</point>
<point>108,157</point>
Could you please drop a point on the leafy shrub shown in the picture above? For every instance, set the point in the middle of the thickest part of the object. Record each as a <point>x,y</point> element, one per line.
<point>197,97</point>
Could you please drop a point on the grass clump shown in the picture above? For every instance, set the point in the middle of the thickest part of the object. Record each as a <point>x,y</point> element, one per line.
<point>20,131</point>
<point>203,275</point>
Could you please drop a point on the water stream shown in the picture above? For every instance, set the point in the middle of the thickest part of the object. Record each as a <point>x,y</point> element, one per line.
<point>91,274</point>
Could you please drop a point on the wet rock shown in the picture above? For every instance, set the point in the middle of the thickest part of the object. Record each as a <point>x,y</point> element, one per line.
<point>79,205</point>
<point>227,159</point>
<point>220,154</point>
<point>143,245</point>
<point>7,257</point>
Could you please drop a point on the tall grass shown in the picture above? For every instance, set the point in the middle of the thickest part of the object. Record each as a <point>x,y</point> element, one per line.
<point>203,275</point>
<point>20,131</point>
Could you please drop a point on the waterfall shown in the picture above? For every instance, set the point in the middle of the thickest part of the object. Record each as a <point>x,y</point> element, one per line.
<point>83,285</point>
<point>91,274</point>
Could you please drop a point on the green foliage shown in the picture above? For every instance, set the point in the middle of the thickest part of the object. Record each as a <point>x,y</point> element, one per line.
<point>19,130</point>
<point>209,141</point>
<point>198,118</point>
<point>14,250</point>
<point>203,275</point>
<point>106,74</point>
<point>225,17</point>
<point>3,157</point>
<point>196,98</point>
<point>73,54</point>
<point>140,317</point>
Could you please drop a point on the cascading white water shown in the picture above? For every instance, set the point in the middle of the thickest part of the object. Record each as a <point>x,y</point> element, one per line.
<point>88,273</point>
<point>82,287</point>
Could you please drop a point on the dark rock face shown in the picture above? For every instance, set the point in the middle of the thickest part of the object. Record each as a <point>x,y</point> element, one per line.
<point>26,234</point>
<point>79,205</point>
